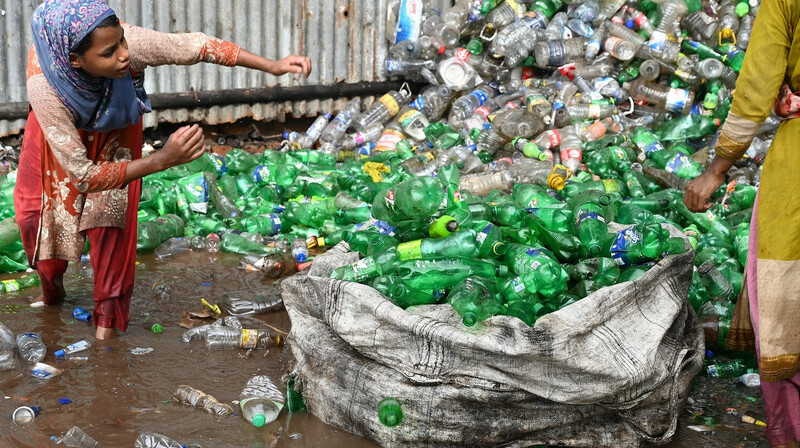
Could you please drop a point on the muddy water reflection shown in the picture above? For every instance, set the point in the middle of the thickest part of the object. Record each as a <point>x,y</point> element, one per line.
<point>116,394</point>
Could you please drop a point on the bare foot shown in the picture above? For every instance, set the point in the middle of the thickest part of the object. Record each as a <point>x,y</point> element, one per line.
<point>38,302</point>
<point>103,333</point>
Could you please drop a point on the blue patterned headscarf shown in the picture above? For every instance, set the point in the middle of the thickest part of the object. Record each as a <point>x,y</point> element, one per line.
<point>98,104</point>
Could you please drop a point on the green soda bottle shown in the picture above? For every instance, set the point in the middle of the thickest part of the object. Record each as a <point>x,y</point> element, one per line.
<point>635,188</point>
<point>709,221</point>
<point>306,214</point>
<point>206,225</point>
<point>698,295</point>
<point>649,186</point>
<point>744,196</point>
<point>445,273</point>
<point>730,369</point>
<point>182,206</point>
<point>742,242</point>
<point>14,285</point>
<point>600,270</point>
<point>566,247</point>
<point>368,242</point>
<point>401,295</point>
<point>240,161</point>
<point>645,140</point>
<point>608,162</point>
<point>522,236</point>
<point>418,197</point>
<point>540,273</point>
<point>368,267</point>
<point>547,7</point>
<point>603,142</point>
<point>677,162</point>
<point>312,157</point>
<point>267,224</point>
<point>460,244</point>
<point>475,300</point>
<point>643,243</point>
<point>527,310</point>
<point>557,219</point>
<point>608,186</point>
<point>584,288</point>
<point>151,234</point>
<point>503,214</point>
<point>532,196</point>
<point>352,215</point>
<point>294,399</point>
<point>590,226</point>
<point>631,214</point>
<point>442,227</point>
<point>631,273</point>
<point>489,239</point>
<point>389,412</point>
<point>238,244</point>
<point>717,286</point>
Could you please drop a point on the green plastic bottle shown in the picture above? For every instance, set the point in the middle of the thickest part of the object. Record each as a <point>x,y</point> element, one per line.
<point>603,142</point>
<point>677,162</point>
<point>532,196</point>
<point>572,189</point>
<point>489,239</point>
<point>643,243</point>
<point>460,244</point>
<point>402,295</point>
<point>556,219</point>
<point>527,310</point>
<point>645,140</point>
<point>368,267</point>
<point>368,242</point>
<point>475,300</point>
<point>566,247</point>
<point>502,214</point>
<point>742,242</point>
<point>590,226</point>
<point>240,161</point>
<point>540,273</point>
<point>631,214</point>
<point>729,369</point>
<point>709,221</point>
<point>609,162</point>
<point>14,285</point>
<point>152,233</point>
<point>600,270</point>
<point>419,197</point>
<point>445,273</point>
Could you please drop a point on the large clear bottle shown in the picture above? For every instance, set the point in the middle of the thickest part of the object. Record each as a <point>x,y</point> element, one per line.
<point>464,106</point>
<point>338,126</point>
<point>261,401</point>
<point>383,109</point>
<point>556,53</point>
<point>433,101</point>
<point>8,359</point>
<point>220,338</point>
<point>665,97</point>
<point>369,134</point>
<point>31,348</point>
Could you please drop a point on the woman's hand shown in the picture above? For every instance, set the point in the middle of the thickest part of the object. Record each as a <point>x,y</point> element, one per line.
<point>291,64</point>
<point>184,145</point>
<point>700,190</point>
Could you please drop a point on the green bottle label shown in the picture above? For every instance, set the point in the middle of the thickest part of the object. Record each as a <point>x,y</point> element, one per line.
<point>611,186</point>
<point>11,285</point>
<point>410,251</point>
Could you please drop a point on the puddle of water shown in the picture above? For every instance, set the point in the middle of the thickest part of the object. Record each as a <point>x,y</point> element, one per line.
<point>117,393</point>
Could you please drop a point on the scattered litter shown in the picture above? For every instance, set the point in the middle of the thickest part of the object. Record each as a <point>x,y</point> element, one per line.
<point>141,350</point>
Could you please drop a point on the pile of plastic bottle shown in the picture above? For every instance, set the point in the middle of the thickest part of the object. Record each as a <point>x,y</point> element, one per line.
<point>492,190</point>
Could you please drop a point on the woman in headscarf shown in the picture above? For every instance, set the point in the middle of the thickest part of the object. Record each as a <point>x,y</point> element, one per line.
<point>770,323</point>
<point>80,166</point>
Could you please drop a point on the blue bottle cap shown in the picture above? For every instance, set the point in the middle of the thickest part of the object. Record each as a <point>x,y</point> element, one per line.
<point>301,258</point>
<point>629,23</point>
<point>59,353</point>
<point>286,135</point>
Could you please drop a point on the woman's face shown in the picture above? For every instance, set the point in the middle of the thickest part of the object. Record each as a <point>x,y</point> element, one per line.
<point>108,55</point>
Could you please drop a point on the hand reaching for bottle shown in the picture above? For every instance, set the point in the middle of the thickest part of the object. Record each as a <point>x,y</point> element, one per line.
<point>700,190</point>
<point>292,64</point>
<point>184,145</point>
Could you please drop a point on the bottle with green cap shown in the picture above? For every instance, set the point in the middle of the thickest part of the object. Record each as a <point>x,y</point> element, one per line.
<point>677,162</point>
<point>402,295</point>
<point>260,401</point>
<point>443,226</point>
<point>528,148</point>
<point>643,243</point>
<point>635,187</point>
<point>390,413</point>
<point>538,272</point>
<point>445,273</point>
<point>475,300</point>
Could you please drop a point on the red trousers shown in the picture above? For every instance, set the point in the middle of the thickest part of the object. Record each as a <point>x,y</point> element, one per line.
<point>112,250</point>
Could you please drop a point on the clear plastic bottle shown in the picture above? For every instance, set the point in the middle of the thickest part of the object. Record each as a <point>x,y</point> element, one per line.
<point>700,25</point>
<point>607,9</point>
<point>338,126</point>
<point>745,29</point>
<point>407,49</point>
<point>728,21</point>
<point>565,94</point>
<point>31,348</point>
<point>548,139</point>
<point>464,106</point>
<point>590,111</point>
<point>672,11</point>
<point>490,140</point>
<point>710,68</point>
<point>559,52</point>
<point>620,48</point>
<point>621,31</point>
<point>649,70</point>
<point>172,247</point>
<point>408,68</point>
<point>640,20</point>
<point>518,123</point>
<point>586,11</point>
<point>482,184</point>
<point>504,14</point>
<point>8,359</point>
<point>665,97</point>
<point>300,250</point>
<point>240,306</point>
<point>77,438</point>
<point>260,401</point>
<point>190,396</point>
<point>580,28</point>
<point>153,440</point>
<point>433,101</point>
<point>73,348</point>
<point>571,149</point>
<point>219,338</point>
<point>382,110</point>
<point>610,88</point>
<point>595,43</point>
<point>356,139</point>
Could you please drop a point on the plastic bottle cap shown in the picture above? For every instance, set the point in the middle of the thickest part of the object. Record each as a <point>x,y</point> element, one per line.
<point>157,328</point>
<point>259,420</point>
<point>301,258</point>
<point>285,135</point>
<point>59,353</point>
<point>742,9</point>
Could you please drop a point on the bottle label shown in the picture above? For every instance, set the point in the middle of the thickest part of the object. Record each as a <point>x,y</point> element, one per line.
<point>556,54</point>
<point>411,250</point>
<point>76,347</point>
<point>611,186</point>
<point>676,100</point>
<point>389,200</point>
<point>11,285</point>
<point>535,20</point>
<point>384,228</point>
<point>481,237</point>
<point>619,152</point>
<point>389,140</point>
<point>679,161</point>
<point>391,105</point>
<point>276,223</point>
<point>409,21</point>
<point>249,339</point>
<point>518,285</point>
<point>612,43</point>
<point>533,253</point>
<point>480,95</point>
<point>406,119</point>
<point>623,243</point>
<point>571,153</point>
<point>343,118</point>
<point>359,138</point>
<point>262,174</point>
<point>462,54</point>
<point>418,103</point>
<point>658,41</point>
<point>584,214</point>
<point>554,137</point>
<point>483,112</point>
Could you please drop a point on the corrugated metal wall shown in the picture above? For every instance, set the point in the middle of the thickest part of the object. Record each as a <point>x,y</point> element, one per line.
<point>344,39</point>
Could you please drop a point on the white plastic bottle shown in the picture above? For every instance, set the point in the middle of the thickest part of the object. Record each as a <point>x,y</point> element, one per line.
<point>73,348</point>
<point>338,126</point>
<point>31,348</point>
